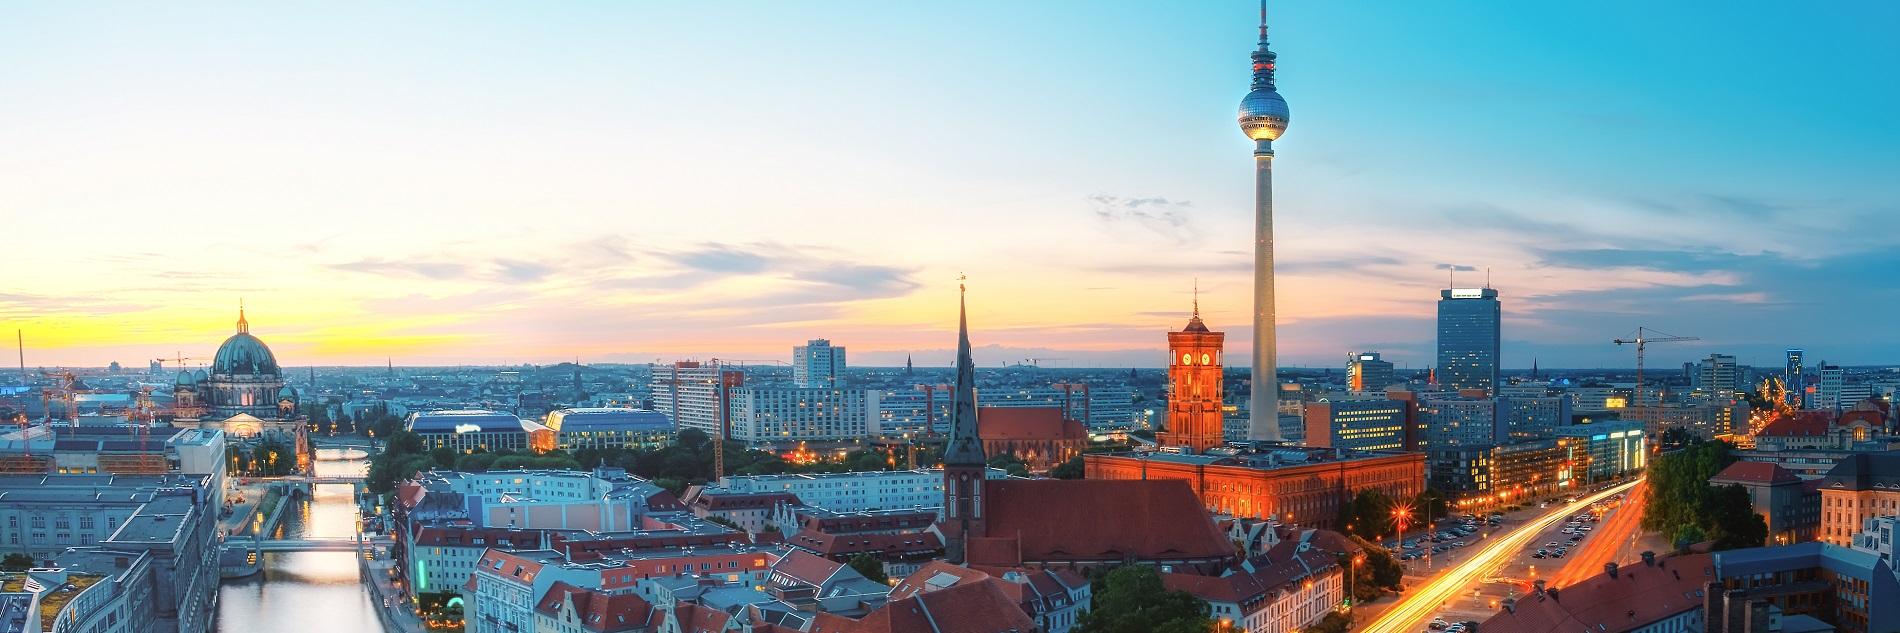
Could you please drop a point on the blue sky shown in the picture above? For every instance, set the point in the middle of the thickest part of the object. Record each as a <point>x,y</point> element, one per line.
<point>453,182</point>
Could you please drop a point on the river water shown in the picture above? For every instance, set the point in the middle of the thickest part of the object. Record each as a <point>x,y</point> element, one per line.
<point>306,592</point>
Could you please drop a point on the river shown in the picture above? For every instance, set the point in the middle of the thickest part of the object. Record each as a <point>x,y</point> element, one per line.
<point>313,592</point>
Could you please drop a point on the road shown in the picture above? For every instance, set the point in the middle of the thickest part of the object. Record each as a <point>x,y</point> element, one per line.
<point>1420,603</point>
<point>1614,536</point>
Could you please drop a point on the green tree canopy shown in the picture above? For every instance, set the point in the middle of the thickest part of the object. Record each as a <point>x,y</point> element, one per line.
<point>870,567</point>
<point>1132,599</point>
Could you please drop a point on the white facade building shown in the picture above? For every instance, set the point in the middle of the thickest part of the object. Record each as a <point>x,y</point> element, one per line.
<point>851,492</point>
<point>771,414</point>
<point>817,364</point>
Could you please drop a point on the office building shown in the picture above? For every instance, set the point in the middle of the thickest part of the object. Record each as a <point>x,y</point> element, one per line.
<point>1855,591</point>
<point>1447,421</point>
<point>471,430</point>
<point>1827,390</point>
<point>1717,376</point>
<point>817,365</point>
<point>1793,376</point>
<point>1532,417</point>
<point>1859,487</point>
<point>603,500</point>
<point>1603,450</point>
<point>1469,338</point>
<point>696,395</point>
<point>1366,425</point>
<point>609,427</point>
<point>1365,371</point>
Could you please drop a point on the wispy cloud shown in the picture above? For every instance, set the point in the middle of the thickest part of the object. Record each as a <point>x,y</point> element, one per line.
<point>1165,217</point>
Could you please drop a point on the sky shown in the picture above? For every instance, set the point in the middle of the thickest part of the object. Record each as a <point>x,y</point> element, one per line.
<point>486,183</point>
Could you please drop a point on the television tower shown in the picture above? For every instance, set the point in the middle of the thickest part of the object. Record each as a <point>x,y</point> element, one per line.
<point>1263,117</point>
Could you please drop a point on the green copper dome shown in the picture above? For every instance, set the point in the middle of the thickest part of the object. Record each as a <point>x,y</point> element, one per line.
<point>243,354</point>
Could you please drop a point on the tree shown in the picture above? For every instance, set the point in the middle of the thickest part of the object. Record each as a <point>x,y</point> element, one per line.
<point>1071,469</point>
<point>1132,599</point>
<point>1368,515</point>
<point>870,567</point>
<point>444,456</point>
<point>1334,622</point>
<point>1009,462</point>
<point>1731,515</point>
<point>17,562</point>
<point>1683,505</point>
<point>1377,569</point>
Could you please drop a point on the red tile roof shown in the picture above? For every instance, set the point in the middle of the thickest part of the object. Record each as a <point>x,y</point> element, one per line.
<point>1755,473</point>
<point>1639,595</point>
<point>693,618</point>
<point>835,545</point>
<point>598,611</point>
<point>1027,423</point>
<point>1801,424</point>
<point>977,607</point>
<point>1051,520</point>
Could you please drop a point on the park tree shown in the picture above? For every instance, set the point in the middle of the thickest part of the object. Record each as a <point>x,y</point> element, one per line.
<point>1071,469</point>
<point>870,567</point>
<point>1132,599</point>
<point>1368,515</point>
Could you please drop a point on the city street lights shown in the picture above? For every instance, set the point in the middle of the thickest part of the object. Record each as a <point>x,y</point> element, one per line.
<point>1352,575</point>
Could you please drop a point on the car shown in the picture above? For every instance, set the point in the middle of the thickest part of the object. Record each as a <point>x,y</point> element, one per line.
<point>1439,624</point>
<point>1539,555</point>
<point>1551,544</point>
<point>1576,538</point>
<point>1556,554</point>
<point>1458,544</point>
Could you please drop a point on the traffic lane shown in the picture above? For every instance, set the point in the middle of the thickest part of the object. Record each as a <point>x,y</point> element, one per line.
<point>1422,603</point>
<point>1617,530</point>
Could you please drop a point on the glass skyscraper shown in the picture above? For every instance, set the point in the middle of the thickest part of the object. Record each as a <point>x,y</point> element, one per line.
<point>1468,338</point>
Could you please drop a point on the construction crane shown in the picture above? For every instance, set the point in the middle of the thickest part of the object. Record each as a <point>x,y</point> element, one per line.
<point>1642,341</point>
<point>1068,389</point>
<point>179,360</point>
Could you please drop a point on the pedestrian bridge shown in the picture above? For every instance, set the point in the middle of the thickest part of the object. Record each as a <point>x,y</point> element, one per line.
<point>333,479</point>
<point>311,544</point>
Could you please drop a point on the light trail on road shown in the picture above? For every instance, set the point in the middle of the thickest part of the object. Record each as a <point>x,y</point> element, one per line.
<point>1420,603</point>
<point>1603,543</point>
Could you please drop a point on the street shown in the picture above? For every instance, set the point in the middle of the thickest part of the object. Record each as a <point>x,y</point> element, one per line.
<point>1479,563</point>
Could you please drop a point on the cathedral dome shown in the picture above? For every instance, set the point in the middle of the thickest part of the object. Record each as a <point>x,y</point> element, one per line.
<point>244,354</point>
<point>185,379</point>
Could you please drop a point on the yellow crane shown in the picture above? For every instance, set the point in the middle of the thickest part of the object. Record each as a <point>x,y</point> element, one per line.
<point>1644,336</point>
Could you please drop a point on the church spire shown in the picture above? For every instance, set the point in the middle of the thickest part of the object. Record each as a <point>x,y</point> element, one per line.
<point>964,448</point>
<point>244,327</point>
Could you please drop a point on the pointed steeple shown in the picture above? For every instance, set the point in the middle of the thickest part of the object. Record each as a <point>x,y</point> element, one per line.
<point>965,448</point>
<point>1194,322</point>
<point>244,327</point>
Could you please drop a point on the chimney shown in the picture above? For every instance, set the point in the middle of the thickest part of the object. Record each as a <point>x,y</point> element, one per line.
<point>1712,621</point>
<point>1757,616</point>
<point>1539,585</point>
<point>1510,605</point>
<point>1552,592</point>
<point>1649,558</point>
<point>1610,568</point>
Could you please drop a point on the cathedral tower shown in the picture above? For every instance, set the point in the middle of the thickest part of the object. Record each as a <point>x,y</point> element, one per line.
<point>964,466</point>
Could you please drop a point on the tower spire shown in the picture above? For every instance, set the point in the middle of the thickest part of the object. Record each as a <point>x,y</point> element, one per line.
<point>1197,297</point>
<point>244,327</point>
<point>964,448</point>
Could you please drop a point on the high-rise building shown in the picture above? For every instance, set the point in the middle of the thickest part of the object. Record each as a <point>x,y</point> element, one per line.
<point>1263,117</point>
<point>817,364</point>
<point>778,414</point>
<point>1194,386</point>
<point>1459,421</point>
<point>1717,376</point>
<point>697,396</point>
<point>1365,371</point>
<point>1827,391</point>
<point>1794,379</point>
<point>1469,340</point>
<point>1532,418</point>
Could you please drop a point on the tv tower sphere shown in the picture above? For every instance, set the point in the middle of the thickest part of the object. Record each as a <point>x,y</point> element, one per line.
<point>1263,115</point>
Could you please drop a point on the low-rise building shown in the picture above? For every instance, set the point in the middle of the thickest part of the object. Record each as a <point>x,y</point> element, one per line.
<point>1054,599</point>
<point>1860,487</point>
<point>470,430</point>
<point>1603,450</point>
<point>850,492</point>
<point>1290,587</point>
<point>156,571</point>
<point>1288,483</point>
<point>1790,506</point>
<point>1662,595</point>
<point>609,427</point>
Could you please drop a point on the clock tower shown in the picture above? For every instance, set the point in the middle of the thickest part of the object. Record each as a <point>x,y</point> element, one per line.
<point>1195,393</point>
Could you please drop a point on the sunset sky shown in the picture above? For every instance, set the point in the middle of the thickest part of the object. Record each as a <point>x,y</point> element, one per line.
<point>445,183</point>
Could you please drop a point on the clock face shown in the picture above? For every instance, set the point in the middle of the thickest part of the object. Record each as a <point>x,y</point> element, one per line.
<point>1187,359</point>
<point>1207,360</point>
